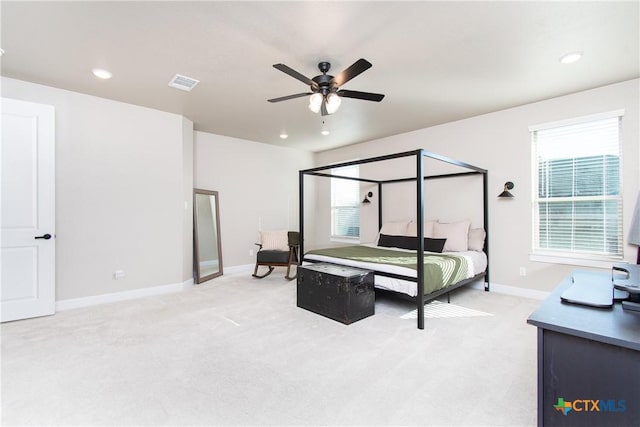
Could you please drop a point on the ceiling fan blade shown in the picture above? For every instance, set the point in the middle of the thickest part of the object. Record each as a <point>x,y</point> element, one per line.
<point>285,98</point>
<point>355,69</point>
<point>296,75</point>
<point>367,96</point>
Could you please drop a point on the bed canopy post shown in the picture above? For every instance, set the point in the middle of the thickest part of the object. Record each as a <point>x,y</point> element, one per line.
<point>420,235</point>
<point>379,206</point>
<point>301,215</point>
<point>485,190</point>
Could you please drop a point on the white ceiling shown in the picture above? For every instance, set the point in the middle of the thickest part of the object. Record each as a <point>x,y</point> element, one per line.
<point>436,62</point>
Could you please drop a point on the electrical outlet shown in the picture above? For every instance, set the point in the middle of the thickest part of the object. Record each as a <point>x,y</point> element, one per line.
<point>118,274</point>
<point>250,252</point>
<point>523,271</point>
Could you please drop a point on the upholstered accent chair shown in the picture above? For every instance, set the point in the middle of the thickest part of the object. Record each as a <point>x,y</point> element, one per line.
<point>277,249</point>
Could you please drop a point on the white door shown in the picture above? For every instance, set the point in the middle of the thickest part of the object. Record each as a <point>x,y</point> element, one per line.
<point>28,210</point>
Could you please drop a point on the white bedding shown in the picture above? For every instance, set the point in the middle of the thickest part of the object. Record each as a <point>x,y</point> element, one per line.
<point>477,262</point>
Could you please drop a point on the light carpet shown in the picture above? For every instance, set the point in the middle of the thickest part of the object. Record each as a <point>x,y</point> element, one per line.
<point>238,351</point>
<point>437,309</point>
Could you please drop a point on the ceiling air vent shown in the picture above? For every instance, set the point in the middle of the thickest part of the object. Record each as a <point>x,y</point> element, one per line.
<point>183,82</point>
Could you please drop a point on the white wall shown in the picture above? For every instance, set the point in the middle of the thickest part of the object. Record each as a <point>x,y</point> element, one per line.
<point>257,185</point>
<point>122,174</point>
<point>187,194</point>
<point>124,179</point>
<point>500,142</point>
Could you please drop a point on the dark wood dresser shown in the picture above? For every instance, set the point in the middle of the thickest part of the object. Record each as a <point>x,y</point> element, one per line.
<point>588,361</point>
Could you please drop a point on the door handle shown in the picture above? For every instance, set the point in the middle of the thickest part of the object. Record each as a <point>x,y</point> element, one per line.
<point>44,236</point>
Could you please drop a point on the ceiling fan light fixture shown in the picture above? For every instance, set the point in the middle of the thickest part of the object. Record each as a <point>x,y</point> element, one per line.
<point>315,102</point>
<point>333,102</point>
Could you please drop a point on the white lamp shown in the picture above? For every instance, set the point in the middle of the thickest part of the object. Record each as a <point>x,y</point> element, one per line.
<point>333,102</point>
<point>634,232</point>
<point>315,102</point>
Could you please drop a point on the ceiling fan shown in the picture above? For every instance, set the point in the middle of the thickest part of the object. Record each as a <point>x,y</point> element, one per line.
<point>325,89</point>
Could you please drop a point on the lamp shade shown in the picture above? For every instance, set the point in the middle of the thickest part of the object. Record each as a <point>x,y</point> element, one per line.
<point>366,197</point>
<point>315,102</point>
<point>634,232</point>
<point>507,186</point>
<point>333,102</point>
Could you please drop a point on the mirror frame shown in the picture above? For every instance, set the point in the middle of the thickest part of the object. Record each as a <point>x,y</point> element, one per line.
<point>196,254</point>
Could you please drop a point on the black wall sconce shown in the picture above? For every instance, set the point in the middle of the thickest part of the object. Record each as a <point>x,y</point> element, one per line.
<point>366,197</point>
<point>507,186</point>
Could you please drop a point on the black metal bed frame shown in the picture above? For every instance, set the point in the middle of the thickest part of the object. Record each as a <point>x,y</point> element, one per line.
<point>419,178</point>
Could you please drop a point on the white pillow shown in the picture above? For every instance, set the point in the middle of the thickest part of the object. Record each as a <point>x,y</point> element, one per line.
<point>275,240</point>
<point>394,228</point>
<point>476,239</point>
<point>427,229</point>
<point>456,233</point>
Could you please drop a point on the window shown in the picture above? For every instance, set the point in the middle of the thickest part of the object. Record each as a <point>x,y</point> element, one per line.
<point>345,204</point>
<point>577,206</point>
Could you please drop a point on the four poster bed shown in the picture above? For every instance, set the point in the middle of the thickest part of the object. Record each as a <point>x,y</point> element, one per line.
<point>403,246</point>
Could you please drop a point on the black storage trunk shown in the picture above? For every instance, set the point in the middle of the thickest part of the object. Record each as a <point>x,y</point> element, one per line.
<point>340,293</point>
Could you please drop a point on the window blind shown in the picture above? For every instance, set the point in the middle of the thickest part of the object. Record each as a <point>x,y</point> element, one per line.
<point>578,197</point>
<point>345,203</point>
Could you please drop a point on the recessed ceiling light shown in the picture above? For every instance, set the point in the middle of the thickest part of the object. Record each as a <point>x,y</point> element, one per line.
<point>101,74</point>
<point>570,58</point>
<point>284,135</point>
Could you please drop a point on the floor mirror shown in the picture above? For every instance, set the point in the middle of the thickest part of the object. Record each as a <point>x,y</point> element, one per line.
<point>206,223</point>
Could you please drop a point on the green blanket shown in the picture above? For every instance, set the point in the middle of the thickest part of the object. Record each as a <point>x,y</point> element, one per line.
<point>439,270</point>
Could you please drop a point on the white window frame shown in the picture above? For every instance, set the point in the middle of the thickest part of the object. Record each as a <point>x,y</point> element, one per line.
<point>571,257</point>
<point>353,171</point>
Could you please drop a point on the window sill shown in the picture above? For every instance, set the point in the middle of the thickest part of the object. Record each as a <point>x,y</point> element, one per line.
<point>568,260</point>
<point>351,240</point>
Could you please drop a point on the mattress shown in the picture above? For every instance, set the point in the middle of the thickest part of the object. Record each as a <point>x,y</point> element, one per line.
<point>476,264</point>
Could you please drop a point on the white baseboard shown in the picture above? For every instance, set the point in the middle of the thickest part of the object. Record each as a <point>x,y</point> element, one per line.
<point>69,304</point>
<point>238,269</point>
<point>512,290</point>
